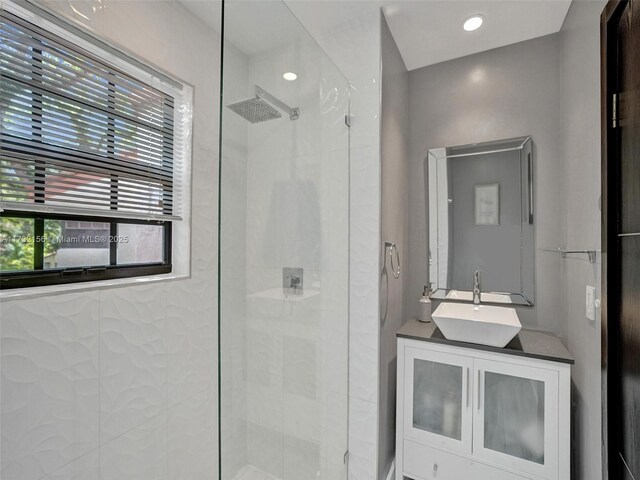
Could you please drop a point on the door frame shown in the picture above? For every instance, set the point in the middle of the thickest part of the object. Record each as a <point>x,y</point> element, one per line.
<point>610,242</point>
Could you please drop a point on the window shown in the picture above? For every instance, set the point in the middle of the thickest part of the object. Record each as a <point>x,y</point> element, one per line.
<point>93,147</point>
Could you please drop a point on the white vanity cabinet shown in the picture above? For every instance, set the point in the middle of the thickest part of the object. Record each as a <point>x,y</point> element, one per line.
<point>466,413</point>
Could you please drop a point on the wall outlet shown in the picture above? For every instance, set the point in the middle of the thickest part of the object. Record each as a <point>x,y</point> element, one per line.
<point>591,303</point>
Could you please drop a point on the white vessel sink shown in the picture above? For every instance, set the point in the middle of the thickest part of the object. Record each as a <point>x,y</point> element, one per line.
<point>484,296</point>
<point>482,324</point>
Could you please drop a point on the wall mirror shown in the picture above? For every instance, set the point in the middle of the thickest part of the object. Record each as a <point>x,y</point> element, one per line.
<point>480,217</point>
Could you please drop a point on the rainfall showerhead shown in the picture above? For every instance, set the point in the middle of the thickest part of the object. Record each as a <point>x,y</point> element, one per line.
<point>259,108</point>
<point>255,110</point>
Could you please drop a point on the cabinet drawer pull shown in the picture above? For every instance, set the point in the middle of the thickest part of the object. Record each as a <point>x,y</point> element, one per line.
<point>479,388</point>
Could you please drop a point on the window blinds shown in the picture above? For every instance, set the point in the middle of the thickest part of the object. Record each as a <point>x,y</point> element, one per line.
<point>80,136</point>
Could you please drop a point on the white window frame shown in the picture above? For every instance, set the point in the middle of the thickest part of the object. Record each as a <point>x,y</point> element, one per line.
<point>183,94</point>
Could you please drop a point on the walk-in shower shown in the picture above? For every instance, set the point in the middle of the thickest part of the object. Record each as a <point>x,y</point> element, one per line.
<point>259,108</point>
<point>284,237</point>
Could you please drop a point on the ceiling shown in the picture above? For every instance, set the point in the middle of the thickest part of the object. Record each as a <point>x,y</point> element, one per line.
<point>430,31</point>
<point>207,11</point>
<point>426,31</point>
<point>252,26</point>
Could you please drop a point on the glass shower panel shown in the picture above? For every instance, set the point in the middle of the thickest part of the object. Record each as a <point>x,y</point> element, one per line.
<point>284,186</point>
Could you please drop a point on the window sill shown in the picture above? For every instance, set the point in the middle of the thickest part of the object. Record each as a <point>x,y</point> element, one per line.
<point>36,292</point>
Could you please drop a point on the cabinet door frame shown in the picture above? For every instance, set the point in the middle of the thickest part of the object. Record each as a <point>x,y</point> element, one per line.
<point>463,445</point>
<point>550,378</point>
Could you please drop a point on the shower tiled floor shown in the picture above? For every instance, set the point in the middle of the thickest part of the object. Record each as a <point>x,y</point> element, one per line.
<point>249,472</point>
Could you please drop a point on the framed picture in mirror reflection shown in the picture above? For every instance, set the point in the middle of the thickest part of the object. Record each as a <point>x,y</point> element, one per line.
<point>487,204</point>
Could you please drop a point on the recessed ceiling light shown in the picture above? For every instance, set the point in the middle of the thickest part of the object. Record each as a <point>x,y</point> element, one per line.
<point>290,76</point>
<point>473,23</point>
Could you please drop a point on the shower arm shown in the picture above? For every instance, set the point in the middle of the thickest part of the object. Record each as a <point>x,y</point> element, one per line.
<point>294,113</point>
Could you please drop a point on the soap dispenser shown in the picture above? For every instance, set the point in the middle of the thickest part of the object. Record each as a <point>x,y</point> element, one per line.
<point>425,305</point>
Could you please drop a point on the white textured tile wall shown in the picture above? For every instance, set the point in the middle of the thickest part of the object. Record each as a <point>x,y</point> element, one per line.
<point>191,338</point>
<point>88,372</point>
<point>86,467</point>
<point>192,440</point>
<point>121,383</point>
<point>49,397</point>
<point>170,418</point>
<point>286,206</point>
<point>353,42</point>
<point>234,367</point>
<point>297,204</point>
<point>133,358</point>
<point>139,453</point>
<point>363,36</point>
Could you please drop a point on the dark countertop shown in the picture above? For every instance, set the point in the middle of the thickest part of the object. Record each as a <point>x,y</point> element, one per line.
<point>528,343</point>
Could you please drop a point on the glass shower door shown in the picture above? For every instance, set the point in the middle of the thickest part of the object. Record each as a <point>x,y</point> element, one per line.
<point>283,287</point>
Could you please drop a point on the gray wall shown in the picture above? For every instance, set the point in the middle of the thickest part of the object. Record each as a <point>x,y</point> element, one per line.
<point>507,92</point>
<point>580,49</point>
<point>548,88</point>
<point>394,159</point>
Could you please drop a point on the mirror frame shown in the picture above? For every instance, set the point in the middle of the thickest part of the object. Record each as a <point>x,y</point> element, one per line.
<point>523,145</point>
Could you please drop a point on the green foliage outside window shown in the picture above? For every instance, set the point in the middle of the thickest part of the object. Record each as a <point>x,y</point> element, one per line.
<point>17,234</point>
<point>17,242</point>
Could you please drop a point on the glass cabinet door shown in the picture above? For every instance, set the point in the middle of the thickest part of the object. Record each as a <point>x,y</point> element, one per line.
<point>516,417</point>
<point>437,400</point>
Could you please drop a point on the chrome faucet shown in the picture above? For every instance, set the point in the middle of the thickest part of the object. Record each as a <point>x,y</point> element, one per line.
<point>294,282</point>
<point>476,287</point>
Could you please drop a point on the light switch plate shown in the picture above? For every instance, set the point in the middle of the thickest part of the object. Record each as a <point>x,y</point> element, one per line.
<point>591,303</point>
